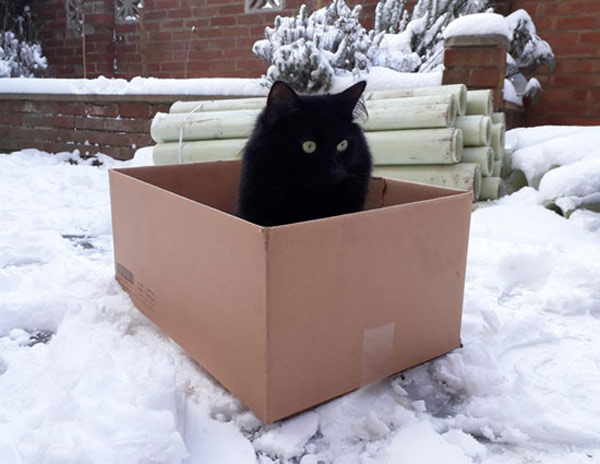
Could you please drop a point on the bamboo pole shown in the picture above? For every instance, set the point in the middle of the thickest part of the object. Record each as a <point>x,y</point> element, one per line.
<point>499,118</point>
<point>497,171</point>
<point>458,92</point>
<point>506,163</point>
<point>466,176</point>
<point>192,152</point>
<point>410,101</point>
<point>203,126</point>
<point>498,140</point>
<point>491,188</point>
<point>480,102</point>
<point>239,123</point>
<point>418,146</point>
<point>428,116</point>
<point>260,102</point>
<point>422,146</point>
<point>218,105</point>
<point>515,180</point>
<point>477,130</point>
<point>483,156</point>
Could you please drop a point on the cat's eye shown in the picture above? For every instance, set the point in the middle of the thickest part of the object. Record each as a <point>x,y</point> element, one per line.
<point>309,146</point>
<point>342,146</point>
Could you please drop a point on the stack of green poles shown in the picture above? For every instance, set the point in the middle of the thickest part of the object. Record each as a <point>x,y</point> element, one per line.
<point>440,135</point>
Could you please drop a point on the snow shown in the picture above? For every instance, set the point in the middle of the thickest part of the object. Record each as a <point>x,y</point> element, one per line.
<point>287,440</point>
<point>564,162</point>
<point>578,179</point>
<point>395,52</point>
<point>478,24</point>
<point>378,79</point>
<point>85,377</point>
<point>136,86</point>
<point>510,94</point>
<point>538,149</point>
<point>533,87</point>
<point>521,16</point>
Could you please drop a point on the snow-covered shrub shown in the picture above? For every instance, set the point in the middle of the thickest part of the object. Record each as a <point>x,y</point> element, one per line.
<point>20,54</point>
<point>306,50</point>
<point>527,53</point>
<point>527,49</point>
<point>19,58</point>
<point>413,41</point>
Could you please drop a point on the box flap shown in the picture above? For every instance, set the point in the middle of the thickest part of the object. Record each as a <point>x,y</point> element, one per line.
<point>213,184</point>
<point>401,192</point>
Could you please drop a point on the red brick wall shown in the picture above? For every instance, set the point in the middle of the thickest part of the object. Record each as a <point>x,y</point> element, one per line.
<point>62,46</point>
<point>92,124</point>
<point>220,46</point>
<point>572,92</point>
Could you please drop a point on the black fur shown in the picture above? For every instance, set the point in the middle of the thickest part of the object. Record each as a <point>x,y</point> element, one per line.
<point>282,184</point>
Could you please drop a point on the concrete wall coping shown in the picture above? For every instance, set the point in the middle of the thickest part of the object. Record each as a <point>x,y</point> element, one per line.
<point>474,41</point>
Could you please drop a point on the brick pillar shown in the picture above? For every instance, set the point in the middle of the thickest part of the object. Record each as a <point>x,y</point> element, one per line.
<point>478,61</point>
<point>99,36</point>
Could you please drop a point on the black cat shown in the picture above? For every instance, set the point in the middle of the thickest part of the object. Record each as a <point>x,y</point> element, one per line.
<point>306,159</point>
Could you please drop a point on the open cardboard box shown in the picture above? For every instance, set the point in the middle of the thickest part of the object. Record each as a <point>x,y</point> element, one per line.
<point>288,317</point>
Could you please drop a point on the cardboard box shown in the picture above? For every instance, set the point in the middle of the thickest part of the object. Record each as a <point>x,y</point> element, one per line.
<point>289,317</point>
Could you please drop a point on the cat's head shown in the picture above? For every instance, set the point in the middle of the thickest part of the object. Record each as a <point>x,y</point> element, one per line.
<point>314,137</point>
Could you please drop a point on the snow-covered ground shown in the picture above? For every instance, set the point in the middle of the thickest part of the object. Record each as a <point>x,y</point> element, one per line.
<point>85,378</point>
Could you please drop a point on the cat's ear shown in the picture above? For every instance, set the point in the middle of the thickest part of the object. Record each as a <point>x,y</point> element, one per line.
<point>349,97</point>
<point>280,94</point>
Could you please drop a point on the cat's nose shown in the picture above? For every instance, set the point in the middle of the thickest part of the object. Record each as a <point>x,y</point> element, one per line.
<point>337,172</point>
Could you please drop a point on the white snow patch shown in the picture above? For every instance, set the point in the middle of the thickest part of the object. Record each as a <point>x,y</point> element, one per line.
<point>419,443</point>
<point>210,441</point>
<point>85,377</point>
<point>578,179</point>
<point>538,149</point>
<point>136,86</point>
<point>533,86</point>
<point>287,440</point>
<point>478,24</point>
<point>378,79</point>
<point>142,157</point>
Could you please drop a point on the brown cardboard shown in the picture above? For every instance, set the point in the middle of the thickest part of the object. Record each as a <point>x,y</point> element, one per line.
<point>291,316</point>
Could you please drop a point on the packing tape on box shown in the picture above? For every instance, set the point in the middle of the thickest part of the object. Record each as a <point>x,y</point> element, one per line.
<point>377,352</point>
